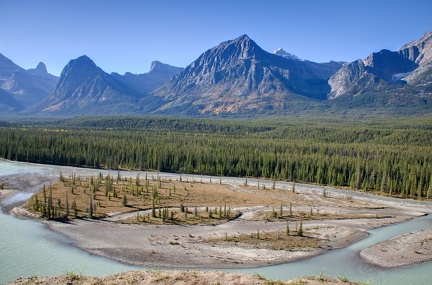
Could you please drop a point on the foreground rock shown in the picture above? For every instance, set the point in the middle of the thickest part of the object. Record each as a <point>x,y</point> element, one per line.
<point>174,277</point>
<point>411,248</point>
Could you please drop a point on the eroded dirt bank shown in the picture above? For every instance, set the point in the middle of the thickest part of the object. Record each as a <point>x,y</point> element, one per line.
<point>174,277</point>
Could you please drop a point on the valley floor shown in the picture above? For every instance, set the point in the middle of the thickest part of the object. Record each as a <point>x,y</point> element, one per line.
<point>344,218</point>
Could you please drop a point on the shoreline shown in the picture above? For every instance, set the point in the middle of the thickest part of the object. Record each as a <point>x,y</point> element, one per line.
<point>178,250</point>
<point>170,246</point>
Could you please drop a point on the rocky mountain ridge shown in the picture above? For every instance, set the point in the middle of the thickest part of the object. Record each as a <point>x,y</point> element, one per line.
<point>236,77</point>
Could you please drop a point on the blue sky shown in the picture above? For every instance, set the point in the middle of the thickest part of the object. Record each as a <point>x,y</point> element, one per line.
<point>125,36</point>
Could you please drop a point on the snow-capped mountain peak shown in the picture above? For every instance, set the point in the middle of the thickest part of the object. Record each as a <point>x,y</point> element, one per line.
<point>283,53</point>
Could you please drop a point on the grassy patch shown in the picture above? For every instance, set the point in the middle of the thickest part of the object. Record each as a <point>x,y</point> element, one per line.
<point>155,200</point>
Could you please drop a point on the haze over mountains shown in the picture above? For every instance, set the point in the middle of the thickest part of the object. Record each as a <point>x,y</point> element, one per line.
<point>236,77</point>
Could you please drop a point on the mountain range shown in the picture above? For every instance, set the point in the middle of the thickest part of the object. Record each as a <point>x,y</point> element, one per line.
<point>84,89</point>
<point>236,77</point>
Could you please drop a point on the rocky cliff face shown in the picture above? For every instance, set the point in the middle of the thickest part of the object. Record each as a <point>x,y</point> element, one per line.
<point>238,76</point>
<point>420,52</point>
<point>349,79</point>
<point>389,65</point>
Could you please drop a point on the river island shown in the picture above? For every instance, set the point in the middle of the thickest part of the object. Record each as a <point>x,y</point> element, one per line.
<point>162,220</point>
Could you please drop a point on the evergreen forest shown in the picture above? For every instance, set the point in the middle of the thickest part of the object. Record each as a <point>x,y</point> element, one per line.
<point>392,156</point>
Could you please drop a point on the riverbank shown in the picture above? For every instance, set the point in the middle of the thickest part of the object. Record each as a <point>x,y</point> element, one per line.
<point>344,218</point>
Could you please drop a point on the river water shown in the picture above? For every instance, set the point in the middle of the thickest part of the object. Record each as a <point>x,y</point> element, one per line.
<point>29,248</point>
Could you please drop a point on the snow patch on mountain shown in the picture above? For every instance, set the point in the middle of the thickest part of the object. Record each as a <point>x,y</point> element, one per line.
<point>399,76</point>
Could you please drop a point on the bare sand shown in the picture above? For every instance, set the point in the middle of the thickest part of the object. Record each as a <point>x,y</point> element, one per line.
<point>187,247</point>
<point>406,249</point>
<point>349,216</point>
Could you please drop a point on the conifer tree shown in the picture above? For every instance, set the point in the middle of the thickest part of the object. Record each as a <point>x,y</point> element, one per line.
<point>67,205</point>
<point>35,204</point>
<point>74,209</point>
<point>90,205</point>
<point>50,203</point>
<point>300,229</point>
<point>430,188</point>
<point>153,209</point>
<point>358,173</point>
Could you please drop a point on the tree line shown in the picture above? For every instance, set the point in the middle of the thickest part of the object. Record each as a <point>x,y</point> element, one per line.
<point>395,158</point>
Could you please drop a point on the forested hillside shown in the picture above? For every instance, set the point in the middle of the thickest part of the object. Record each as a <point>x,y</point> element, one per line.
<point>393,156</point>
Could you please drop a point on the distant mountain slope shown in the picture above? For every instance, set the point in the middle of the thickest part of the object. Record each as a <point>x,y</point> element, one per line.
<point>7,68</point>
<point>237,76</point>
<point>28,87</point>
<point>8,104</point>
<point>145,83</point>
<point>42,79</point>
<point>402,73</point>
